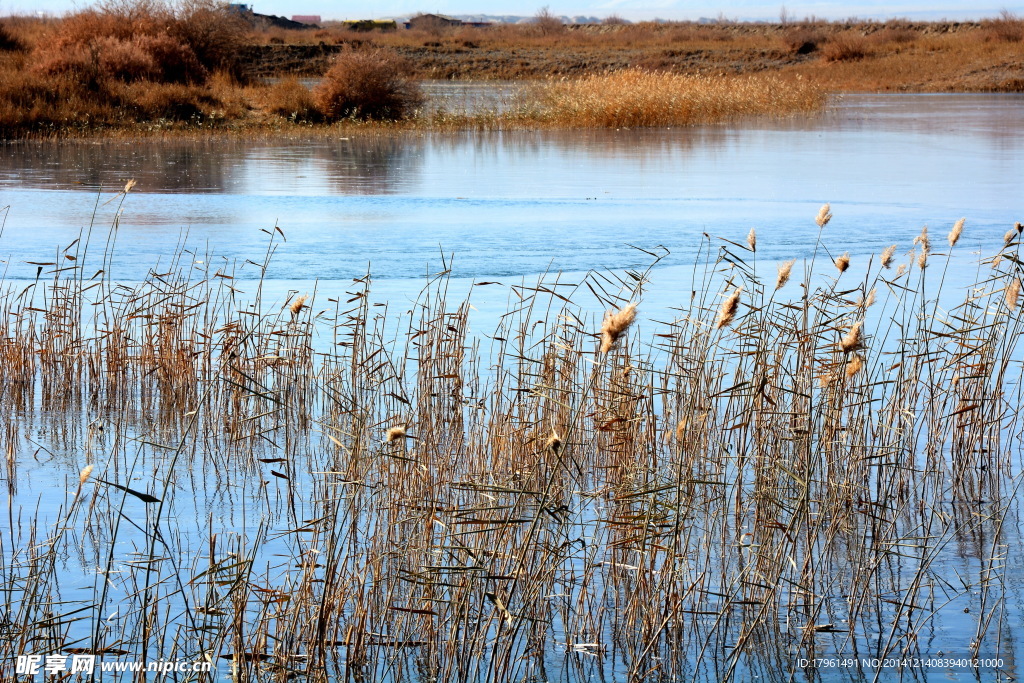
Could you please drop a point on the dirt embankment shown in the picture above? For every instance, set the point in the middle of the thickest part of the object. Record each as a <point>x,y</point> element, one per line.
<point>906,57</point>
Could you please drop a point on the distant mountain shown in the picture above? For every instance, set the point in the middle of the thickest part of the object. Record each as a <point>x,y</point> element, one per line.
<point>517,19</point>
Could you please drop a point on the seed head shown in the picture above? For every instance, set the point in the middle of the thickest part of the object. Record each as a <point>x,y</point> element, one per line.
<point>615,324</point>
<point>554,442</point>
<point>298,305</point>
<point>853,339</point>
<point>1013,294</point>
<point>752,240</point>
<point>887,256</point>
<point>855,365</point>
<point>843,262</point>
<point>824,216</point>
<point>83,476</point>
<point>728,310</point>
<point>954,234</point>
<point>394,434</point>
<point>784,271</point>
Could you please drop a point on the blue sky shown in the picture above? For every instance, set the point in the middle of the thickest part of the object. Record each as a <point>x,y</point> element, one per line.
<point>630,9</point>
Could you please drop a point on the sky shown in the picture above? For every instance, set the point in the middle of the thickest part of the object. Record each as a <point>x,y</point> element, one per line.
<point>628,9</point>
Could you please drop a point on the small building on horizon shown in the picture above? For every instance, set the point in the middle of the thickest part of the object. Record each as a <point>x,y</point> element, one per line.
<point>306,18</point>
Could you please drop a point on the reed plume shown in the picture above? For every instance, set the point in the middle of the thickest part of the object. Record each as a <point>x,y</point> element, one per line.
<point>297,305</point>
<point>854,366</point>
<point>728,310</point>
<point>853,339</point>
<point>824,216</point>
<point>954,234</point>
<point>615,324</point>
<point>1010,235</point>
<point>554,443</point>
<point>752,240</point>
<point>868,301</point>
<point>394,434</point>
<point>784,272</point>
<point>887,256</point>
<point>923,239</point>
<point>83,476</point>
<point>843,262</point>
<point>1013,294</point>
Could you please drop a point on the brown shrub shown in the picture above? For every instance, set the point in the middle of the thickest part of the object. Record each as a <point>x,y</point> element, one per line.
<point>124,60</point>
<point>171,101</point>
<point>143,39</point>
<point>144,57</point>
<point>546,23</point>
<point>30,102</point>
<point>367,84</point>
<point>845,46</point>
<point>898,36</point>
<point>8,41</point>
<point>78,62</point>
<point>292,100</point>
<point>802,40</point>
<point>1008,28</point>
<point>214,33</point>
<point>176,61</point>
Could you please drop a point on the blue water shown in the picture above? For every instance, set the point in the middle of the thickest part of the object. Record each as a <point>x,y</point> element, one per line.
<point>519,203</point>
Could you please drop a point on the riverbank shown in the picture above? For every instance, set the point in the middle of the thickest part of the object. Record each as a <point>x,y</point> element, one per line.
<point>894,56</point>
<point>196,72</point>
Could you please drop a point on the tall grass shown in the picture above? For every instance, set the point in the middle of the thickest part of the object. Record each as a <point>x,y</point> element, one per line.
<point>635,97</point>
<point>323,487</point>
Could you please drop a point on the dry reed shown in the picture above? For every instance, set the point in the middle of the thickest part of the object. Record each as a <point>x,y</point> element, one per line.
<point>543,508</point>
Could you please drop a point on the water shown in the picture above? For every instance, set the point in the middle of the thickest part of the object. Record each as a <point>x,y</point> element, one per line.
<point>508,206</point>
<point>518,203</point>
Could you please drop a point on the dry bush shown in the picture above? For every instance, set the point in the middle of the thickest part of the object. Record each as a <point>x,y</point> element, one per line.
<point>845,46</point>
<point>292,100</point>
<point>367,84</point>
<point>802,40</point>
<point>635,98</point>
<point>177,62</point>
<point>135,39</point>
<point>894,35</point>
<point>143,57</point>
<point>125,60</point>
<point>214,33</point>
<point>1007,28</point>
<point>170,101</point>
<point>8,41</point>
<point>546,23</point>
<point>31,103</point>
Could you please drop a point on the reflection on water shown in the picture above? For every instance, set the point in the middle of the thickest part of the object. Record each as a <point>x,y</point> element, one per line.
<point>521,202</point>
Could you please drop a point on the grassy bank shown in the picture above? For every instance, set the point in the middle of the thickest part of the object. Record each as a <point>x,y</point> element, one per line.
<point>798,464</point>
